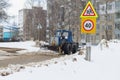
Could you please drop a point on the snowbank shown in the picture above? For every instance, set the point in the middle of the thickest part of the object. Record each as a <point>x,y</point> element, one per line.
<point>104,65</point>
<point>29,46</point>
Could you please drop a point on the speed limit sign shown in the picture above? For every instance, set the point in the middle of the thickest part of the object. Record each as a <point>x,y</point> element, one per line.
<point>88,19</point>
<point>88,25</point>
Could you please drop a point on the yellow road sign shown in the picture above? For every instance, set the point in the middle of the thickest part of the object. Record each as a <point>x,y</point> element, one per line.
<point>88,25</point>
<point>89,11</point>
<point>88,19</point>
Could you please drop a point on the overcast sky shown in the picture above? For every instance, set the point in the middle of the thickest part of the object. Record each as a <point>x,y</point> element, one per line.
<point>15,6</point>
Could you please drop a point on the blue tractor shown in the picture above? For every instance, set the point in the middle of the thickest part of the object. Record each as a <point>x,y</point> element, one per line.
<point>63,40</point>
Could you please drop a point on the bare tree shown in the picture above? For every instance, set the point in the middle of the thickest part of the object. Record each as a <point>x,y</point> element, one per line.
<point>3,5</point>
<point>106,15</point>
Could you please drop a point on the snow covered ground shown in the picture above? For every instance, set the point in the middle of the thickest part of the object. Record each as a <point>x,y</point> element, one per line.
<point>29,46</point>
<point>104,65</point>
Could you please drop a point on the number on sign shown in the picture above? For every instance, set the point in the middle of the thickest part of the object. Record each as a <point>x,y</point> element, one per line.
<point>88,25</point>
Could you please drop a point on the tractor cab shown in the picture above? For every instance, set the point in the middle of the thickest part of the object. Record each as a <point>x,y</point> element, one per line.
<point>63,36</point>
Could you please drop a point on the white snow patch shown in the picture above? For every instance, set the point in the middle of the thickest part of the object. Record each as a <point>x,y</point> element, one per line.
<point>29,46</point>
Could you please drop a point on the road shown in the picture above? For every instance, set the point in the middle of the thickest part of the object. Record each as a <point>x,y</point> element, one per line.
<point>24,59</point>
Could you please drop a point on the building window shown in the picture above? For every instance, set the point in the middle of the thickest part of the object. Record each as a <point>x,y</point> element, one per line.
<point>102,17</point>
<point>98,28</point>
<point>103,8</point>
<point>117,5</point>
<point>118,15</point>
<point>109,6</point>
<point>109,27</point>
<point>118,35</point>
<point>109,17</point>
<point>103,27</point>
<point>117,26</point>
<point>97,37</point>
<point>103,36</point>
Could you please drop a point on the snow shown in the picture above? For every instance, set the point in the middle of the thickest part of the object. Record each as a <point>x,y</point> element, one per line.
<point>15,7</point>
<point>104,65</point>
<point>29,46</point>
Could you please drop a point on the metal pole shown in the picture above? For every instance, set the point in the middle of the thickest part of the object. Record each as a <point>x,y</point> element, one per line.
<point>88,48</point>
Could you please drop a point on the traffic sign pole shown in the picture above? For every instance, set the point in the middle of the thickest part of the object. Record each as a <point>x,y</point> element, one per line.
<point>88,26</point>
<point>88,48</point>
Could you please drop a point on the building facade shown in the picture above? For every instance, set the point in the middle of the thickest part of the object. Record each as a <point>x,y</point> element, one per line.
<point>109,21</point>
<point>106,21</point>
<point>117,19</point>
<point>32,23</point>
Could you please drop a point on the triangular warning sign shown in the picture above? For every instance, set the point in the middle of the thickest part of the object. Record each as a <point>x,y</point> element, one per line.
<point>89,11</point>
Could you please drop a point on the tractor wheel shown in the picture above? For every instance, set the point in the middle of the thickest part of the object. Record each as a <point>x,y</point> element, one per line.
<point>67,49</point>
<point>74,48</point>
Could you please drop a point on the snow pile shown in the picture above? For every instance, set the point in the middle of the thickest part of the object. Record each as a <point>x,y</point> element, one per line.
<point>43,43</point>
<point>104,65</point>
<point>11,69</point>
<point>29,46</point>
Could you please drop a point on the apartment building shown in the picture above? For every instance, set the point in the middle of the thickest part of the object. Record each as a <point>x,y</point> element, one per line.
<point>106,21</point>
<point>26,24</point>
<point>32,23</point>
<point>117,19</point>
<point>109,20</point>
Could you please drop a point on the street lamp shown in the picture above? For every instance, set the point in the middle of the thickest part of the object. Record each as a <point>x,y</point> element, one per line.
<point>39,27</point>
